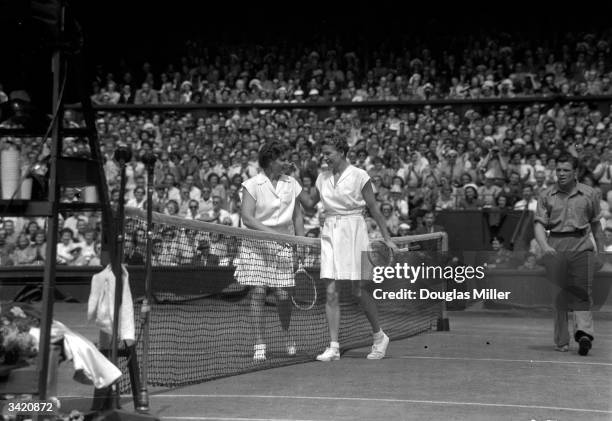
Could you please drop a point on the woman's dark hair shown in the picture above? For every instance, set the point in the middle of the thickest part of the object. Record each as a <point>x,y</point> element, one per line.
<point>269,152</point>
<point>237,179</point>
<point>174,202</point>
<point>66,230</point>
<point>338,142</point>
<point>505,197</point>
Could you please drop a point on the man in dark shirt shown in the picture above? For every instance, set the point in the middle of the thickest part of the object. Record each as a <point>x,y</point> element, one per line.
<point>570,211</point>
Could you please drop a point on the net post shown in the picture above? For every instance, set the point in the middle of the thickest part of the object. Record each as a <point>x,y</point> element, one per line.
<point>142,405</point>
<point>443,324</point>
<point>123,154</point>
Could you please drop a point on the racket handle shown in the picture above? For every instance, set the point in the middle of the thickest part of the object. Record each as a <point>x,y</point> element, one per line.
<point>392,254</point>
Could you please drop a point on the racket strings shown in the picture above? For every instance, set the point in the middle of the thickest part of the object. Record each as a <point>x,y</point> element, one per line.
<point>304,294</point>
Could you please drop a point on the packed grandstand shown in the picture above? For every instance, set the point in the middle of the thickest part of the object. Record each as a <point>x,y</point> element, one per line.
<point>475,126</point>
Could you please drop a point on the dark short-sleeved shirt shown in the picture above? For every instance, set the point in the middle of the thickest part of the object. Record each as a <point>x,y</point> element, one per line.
<point>561,212</point>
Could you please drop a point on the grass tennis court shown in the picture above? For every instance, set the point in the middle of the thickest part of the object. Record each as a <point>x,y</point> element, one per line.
<point>491,365</point>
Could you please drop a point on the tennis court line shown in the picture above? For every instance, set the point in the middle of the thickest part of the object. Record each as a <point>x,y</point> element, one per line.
<point>232,419</point>
<point>388,400</point>
<point>503,360</point>
<point>497,333</point>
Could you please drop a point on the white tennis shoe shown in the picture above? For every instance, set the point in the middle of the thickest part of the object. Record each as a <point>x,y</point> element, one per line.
<point>379,348</point>
<point>330,354</point>
<point>291,349</point>
<point>260,353</point>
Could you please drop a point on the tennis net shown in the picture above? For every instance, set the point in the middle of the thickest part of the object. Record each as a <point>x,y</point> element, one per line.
<point>203,323</point>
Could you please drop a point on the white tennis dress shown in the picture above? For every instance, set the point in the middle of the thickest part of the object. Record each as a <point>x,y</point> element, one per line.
<point>345,234</point>
<point>263,262</point>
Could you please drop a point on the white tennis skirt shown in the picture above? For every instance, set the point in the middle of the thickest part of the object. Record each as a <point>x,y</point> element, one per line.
<point>343,241</point>
<point>264,263</point>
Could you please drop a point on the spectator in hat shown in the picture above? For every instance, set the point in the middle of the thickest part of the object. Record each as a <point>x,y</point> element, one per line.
<point>298,95</point>
<point>488,192</point>
<point>313,95</point>
<point>451,168</point>
<point>470,200</point>
<point>404,229</point>
<point>506,89</point>
<point>399,203</point>
<point>186,92</point>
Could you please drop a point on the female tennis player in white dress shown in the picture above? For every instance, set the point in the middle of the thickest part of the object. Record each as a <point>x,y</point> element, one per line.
<point>345,191</point>
<point>269,204</point>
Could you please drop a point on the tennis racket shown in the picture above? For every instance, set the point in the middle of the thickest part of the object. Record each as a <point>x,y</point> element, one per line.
<point>379,254</point>
<point>304,294</point>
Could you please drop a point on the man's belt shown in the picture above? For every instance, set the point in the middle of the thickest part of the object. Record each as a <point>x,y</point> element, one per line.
<point>577,233</point>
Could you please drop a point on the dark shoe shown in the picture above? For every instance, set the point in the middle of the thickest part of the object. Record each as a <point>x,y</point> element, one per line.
<point>584,345</point>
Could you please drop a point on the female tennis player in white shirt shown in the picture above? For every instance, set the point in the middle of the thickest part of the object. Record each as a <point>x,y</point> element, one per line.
<point>269,204</point>
<point>345,191</point>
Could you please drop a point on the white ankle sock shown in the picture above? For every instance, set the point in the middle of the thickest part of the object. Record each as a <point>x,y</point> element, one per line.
<point>334,345</point>
<point>379,335</point>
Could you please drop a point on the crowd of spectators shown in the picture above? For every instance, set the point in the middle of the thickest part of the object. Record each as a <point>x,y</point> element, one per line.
<point>421,160</point>
<point>430,159</point>
<point>485,66</point>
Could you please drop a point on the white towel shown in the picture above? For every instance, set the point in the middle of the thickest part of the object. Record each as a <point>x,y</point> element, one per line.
<point>84,355</point>
<point>101,304</point>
